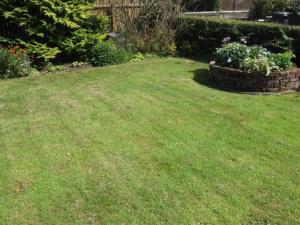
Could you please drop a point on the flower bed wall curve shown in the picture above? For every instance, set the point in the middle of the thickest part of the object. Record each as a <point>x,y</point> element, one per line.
<point>233,79</point>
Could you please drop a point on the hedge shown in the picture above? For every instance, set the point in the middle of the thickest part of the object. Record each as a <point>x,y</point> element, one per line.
<point>201,35</point>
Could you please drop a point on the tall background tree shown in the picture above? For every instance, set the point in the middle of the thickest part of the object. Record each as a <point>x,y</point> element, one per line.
<point>201,5</point>
<point>262,8</point>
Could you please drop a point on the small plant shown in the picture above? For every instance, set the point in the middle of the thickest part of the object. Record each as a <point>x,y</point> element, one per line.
<point>138,57</point>
<point>283,60</point>
<point>262,65</point>
<point>106,53</point>
<point>232,54</point>
<point>14,63</point>
<point>253,58</point>
<point>78,64</point>
<point>51,68</point>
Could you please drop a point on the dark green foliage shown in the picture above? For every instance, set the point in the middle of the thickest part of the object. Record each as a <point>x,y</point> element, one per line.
<point>201,5</point>
<point>4,61</point>
<point>294,19</point>
<point>202,36</point>
<point>262,8</point>
<point>14,63</point>
<point>51,26</point>
<point>106,53</point>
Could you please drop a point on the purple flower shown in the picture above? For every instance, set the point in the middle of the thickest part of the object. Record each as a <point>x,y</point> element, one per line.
<point>226,40</point>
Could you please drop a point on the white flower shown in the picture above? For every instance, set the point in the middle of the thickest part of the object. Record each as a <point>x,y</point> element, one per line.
<point>243,40</point>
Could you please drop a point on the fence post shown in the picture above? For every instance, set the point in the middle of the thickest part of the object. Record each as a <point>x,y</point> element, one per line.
<point>111,12</point>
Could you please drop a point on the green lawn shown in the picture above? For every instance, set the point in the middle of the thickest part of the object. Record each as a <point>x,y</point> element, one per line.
<point>146,143</point>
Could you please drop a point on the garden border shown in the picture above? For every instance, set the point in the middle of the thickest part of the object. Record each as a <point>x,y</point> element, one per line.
<point>234,79</point>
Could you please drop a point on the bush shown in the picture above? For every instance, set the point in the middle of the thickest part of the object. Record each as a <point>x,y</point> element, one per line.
<point>50,28</point>
<point>14,63</point>
<point>106,53</point>
<point>80,44</point>
<point>149,28</point>
<point>201,36</point>
<point>262,65</point>
<point>283,60</point>
<point>231,54</point>
<point>4,61</point>
<point>234,54</point>
<point>263,8</point>
<point>253,58</point>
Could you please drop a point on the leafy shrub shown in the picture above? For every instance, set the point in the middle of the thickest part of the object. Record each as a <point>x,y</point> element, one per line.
<point>253,58</point>
<point>82,40</point>
<point>231,54</point>
<point>106,53</point>
<point>138,57</point>
<point>52,28</point>
<point>262,65</point>
<point>51,68</point>
<point>203,35</point>
<point>262,8</point>
<point>4,61</point>
<point>14,63</point>
<point>234,54</point>
<point>41,52</point>
<point>283,60</point>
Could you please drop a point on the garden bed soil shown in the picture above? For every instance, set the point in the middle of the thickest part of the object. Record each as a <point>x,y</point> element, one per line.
<point>234,79</point>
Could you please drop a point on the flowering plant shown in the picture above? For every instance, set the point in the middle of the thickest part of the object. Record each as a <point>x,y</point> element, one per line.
<point>14,62</point>
<point>253,58</point>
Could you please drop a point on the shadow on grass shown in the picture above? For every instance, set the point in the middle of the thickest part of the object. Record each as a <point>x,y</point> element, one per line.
<point>201,76</point>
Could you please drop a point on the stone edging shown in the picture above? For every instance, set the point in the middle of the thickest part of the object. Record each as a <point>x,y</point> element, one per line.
<point>233,79</point>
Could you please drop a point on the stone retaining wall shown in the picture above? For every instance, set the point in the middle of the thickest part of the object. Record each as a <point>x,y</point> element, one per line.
<point>255,82</point>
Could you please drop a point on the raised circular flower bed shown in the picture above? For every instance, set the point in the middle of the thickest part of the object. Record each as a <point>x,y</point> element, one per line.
<point>234,79</point>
